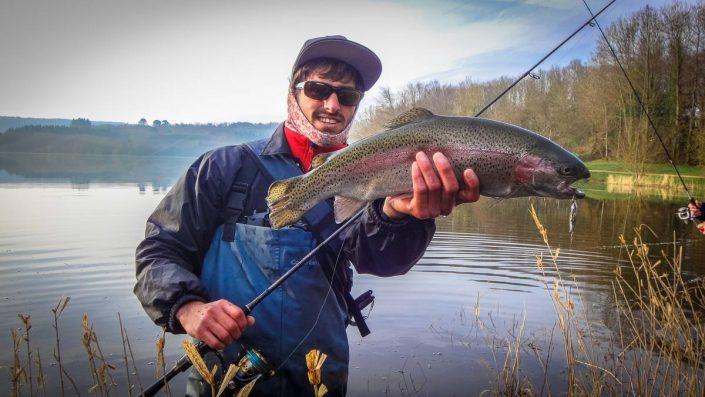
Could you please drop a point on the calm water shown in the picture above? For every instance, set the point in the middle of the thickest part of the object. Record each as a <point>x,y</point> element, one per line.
<point>69,227</point>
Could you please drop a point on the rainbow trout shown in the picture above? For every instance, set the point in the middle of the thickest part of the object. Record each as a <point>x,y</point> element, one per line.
<point>509,161</point>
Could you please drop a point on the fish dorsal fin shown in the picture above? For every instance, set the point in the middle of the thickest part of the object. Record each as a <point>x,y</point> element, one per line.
<point>412,116</point>
<point>320,159</point>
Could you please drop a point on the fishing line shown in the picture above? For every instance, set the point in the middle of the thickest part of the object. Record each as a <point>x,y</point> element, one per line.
<point>320,311</point>
<point>528,72</point>
<point>638,98</point>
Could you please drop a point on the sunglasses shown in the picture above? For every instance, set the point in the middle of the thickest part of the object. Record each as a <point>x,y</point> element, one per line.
<point>321,91</point>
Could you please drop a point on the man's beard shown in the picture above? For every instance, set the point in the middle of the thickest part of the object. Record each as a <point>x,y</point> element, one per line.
<point>321,113</point>
<point>296,120</point>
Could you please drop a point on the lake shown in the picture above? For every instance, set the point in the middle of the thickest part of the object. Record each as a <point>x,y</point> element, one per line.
<point>69,226</point>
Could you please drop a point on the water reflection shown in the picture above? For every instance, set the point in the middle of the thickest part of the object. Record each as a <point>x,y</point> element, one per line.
<point>77,238</point>
<point>667,187</point>
<point>82,170</point>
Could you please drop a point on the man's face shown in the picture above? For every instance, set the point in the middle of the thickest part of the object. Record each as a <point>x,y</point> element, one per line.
<point>326,115</point>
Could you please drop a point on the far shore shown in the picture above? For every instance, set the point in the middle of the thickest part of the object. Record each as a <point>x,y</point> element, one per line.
<point>617,167</point>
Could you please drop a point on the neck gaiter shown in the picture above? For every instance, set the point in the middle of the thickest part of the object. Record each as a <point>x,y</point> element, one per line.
<point>297,121</point>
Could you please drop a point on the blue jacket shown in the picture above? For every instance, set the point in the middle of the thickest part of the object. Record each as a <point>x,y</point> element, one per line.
<point>179,232</point>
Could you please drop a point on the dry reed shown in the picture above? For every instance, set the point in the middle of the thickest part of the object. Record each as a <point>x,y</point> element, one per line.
<point>57,311</point>
<point>314,363</point>
<point>195,357</point>
<point>229,375</point>
<point>161,363</point>
<point>99,367</point>
<point>247,389</point>
<point>27,322</point>
<point>132,356</point>
<point>656,345</point>
<point>88,346</point>
<point>41,379</point>
<point>17,370</point>
<point>124,357</point>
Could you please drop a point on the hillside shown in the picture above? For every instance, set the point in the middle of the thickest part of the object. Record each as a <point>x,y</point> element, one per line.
<point>9,122</point>
<point>169,139</point>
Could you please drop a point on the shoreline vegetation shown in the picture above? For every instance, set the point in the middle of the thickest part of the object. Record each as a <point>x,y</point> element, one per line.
<point>611,179</point>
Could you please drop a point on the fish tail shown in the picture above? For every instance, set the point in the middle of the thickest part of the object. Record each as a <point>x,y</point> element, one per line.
<point>283,211</point>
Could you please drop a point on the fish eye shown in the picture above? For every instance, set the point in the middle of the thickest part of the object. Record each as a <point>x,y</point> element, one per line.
<point>565,170</point>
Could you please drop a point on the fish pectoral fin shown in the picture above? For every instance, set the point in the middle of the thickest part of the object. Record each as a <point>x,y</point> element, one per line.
<point>345,207</point>
<point>412,116</point>
<point>319,159</point>
<point>282,212</point>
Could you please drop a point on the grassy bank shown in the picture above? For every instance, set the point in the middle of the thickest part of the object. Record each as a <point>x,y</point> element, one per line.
<point>606,166</point>
<point>617,180</point>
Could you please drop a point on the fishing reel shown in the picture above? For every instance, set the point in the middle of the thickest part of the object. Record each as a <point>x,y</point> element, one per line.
<point>251,365</point>
<point>685,215</point>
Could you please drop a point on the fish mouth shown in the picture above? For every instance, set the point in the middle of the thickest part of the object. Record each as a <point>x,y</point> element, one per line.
<point>564,190</point>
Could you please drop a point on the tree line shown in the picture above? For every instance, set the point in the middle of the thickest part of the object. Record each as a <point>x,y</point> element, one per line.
<point>81,136</point>
<point>589,107</point>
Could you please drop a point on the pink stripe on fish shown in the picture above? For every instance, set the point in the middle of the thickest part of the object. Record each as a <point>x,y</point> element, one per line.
<point>524,171</point>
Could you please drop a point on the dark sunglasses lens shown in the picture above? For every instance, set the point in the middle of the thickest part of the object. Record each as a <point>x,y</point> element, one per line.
<point>349,97</point>
<point>317,91</point>
<point>321,92</point>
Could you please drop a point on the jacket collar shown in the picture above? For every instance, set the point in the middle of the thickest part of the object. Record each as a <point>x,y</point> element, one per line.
<point>277,143</point>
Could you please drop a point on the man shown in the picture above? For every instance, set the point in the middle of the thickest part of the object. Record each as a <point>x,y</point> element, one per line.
<point>208,249</point>
<point>697,211</point>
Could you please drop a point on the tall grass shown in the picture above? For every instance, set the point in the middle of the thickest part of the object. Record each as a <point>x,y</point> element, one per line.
<point>656,346</point>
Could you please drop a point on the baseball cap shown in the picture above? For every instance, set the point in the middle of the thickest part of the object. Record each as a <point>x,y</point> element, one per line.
<point>354,54</point>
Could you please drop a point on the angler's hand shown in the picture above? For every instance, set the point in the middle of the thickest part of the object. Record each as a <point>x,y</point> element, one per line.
<point>435,190</point>
<point>217,323</point>
<point>695,209</point>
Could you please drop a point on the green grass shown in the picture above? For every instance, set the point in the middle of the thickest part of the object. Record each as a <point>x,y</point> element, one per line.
<point>616,166</point>
<point>597,186</point>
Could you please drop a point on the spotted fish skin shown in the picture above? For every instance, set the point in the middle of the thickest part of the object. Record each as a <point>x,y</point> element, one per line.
<point>509,161</point>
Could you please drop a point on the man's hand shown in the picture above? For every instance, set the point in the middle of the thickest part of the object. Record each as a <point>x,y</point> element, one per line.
<point>217,323</point>
<point>695,209</point>
<point>435,191</point>
<point>701,227</point>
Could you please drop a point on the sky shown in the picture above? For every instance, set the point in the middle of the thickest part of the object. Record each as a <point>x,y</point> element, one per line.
<point>226,61</point>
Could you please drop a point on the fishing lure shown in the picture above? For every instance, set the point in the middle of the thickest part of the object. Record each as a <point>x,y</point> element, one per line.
<point>573,216</point>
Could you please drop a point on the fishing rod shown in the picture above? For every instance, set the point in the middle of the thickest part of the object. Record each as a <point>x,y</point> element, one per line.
<point>588,22</point>
<point>638,98</point>
<point>254,360</point>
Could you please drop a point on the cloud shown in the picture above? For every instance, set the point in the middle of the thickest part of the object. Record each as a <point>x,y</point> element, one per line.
<point>217,60</point>
<point>555,4</point>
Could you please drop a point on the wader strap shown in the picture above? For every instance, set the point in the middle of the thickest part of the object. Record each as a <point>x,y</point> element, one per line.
<point>239,192</point>
<point>233,209</point>
<point>320,219</point>
<point>356,313</point>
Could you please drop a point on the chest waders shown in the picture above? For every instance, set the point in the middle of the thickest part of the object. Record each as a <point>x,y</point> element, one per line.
<point>245,257</point>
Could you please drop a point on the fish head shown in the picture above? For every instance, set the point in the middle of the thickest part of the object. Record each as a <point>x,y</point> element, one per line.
<point>549,171</point>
